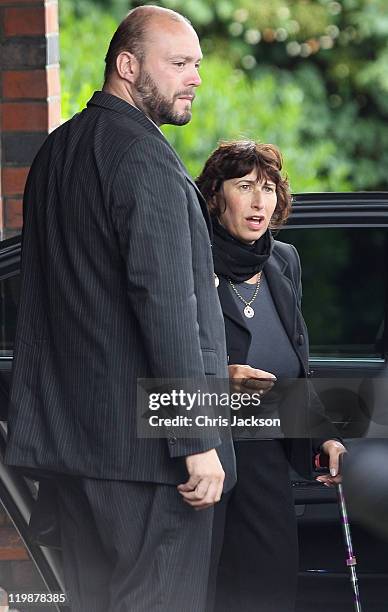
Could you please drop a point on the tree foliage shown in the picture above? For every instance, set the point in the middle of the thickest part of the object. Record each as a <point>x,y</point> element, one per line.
<point>308,75</point>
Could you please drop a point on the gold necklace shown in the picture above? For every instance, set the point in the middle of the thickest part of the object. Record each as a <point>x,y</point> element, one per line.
<point>248,310</point>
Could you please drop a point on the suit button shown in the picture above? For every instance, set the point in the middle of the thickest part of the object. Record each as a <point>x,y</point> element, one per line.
<point>172,440</point>
<point>300,339</point>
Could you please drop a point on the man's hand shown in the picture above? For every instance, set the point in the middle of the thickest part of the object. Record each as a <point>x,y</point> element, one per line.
<point>206,478</point>
<point>332,448</point>
<point>243,378</point>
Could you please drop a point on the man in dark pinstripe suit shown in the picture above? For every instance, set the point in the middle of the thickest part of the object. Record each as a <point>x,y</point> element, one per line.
<point>117,284</point>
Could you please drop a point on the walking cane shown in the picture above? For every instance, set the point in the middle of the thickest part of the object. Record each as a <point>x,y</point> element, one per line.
<point>321,464</point>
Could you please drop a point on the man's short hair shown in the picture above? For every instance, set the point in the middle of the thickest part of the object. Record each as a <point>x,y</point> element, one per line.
<point>130,35</point>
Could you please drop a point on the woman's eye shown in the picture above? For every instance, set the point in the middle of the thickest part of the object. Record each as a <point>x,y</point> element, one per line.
<point>269,188</point>
<point>245,187</point>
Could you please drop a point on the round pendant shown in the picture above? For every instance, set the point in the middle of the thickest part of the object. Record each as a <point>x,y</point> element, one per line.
<point>249,312</point>
<point>216,280</point>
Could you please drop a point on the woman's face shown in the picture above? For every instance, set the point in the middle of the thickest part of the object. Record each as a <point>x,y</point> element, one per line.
<point>250,205</point>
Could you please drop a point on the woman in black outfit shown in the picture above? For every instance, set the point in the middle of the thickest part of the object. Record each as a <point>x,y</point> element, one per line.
<point>260,291</point>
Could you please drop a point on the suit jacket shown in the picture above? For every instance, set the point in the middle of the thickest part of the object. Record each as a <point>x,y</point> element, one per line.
<point>117,284</point>
<point>301,408</point>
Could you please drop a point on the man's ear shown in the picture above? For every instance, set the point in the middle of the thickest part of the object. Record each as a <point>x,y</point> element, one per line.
<point>127,66</point>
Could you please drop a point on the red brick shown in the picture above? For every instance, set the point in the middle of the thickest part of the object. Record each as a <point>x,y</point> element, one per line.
<point>51,18</point>
<point>24,84</point>
<point>32,84</point>
<point>13,213</point>
<point>27,52</point>
<point>17,116</point>
<point>13,180</point>
<point>53,81</point>
<point>54,113</point>
<point>24,21</point>
<point>11,545</point>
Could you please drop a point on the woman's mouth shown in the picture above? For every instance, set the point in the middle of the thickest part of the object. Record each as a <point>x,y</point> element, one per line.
<point>255,222</point>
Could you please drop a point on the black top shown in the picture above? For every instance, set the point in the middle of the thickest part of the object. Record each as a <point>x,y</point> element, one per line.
<point>270,348</point>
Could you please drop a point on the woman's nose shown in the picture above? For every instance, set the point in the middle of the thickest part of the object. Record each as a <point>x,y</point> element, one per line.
<point>257,199</point>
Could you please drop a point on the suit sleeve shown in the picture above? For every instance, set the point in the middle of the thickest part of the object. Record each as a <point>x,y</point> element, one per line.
<point>149,209</point>
<point>320,425</point>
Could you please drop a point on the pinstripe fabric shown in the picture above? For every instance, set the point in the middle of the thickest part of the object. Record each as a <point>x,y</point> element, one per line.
<point>117,284</point>
<point>133,570</point>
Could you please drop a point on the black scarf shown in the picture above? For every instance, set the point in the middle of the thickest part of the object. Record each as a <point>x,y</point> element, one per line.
<point>236,260</point>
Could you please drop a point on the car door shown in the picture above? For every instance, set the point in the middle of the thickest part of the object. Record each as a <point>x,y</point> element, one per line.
<point>9,292</point>
<point>342,240</point>
<point>24,565</point>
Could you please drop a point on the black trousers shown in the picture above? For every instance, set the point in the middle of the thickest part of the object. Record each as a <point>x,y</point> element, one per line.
<point>255,529</point>
<point>132,547</point>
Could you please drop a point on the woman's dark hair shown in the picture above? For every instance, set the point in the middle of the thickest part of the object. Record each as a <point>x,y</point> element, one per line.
<point>237,158</point>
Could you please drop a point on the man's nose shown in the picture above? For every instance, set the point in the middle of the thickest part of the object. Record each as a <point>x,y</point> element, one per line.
<point>193,79</point>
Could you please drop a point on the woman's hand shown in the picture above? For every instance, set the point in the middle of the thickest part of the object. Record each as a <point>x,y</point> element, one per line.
<point>245,379</point>
<point>332,448</point>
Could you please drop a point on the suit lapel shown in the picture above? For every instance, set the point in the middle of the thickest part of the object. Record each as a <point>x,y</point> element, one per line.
<point>282,293</point>
<point>200,197</point>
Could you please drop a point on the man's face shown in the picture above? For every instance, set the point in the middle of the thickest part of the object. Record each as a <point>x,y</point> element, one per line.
<point>168,76</point>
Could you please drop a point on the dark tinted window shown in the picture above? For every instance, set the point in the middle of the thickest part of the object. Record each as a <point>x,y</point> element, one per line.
<point>9,294</point>
<point>344,272</point>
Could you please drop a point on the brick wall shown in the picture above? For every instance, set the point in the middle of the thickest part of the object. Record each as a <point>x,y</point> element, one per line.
<point>29,95</point>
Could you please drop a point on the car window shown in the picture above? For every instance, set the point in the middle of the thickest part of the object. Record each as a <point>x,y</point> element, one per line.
<point>344,272</point>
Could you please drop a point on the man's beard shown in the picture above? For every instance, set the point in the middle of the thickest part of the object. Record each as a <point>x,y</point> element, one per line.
<point>156,106</point>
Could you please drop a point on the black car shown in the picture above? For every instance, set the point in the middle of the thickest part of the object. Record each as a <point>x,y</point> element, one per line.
<point>342,239</point>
